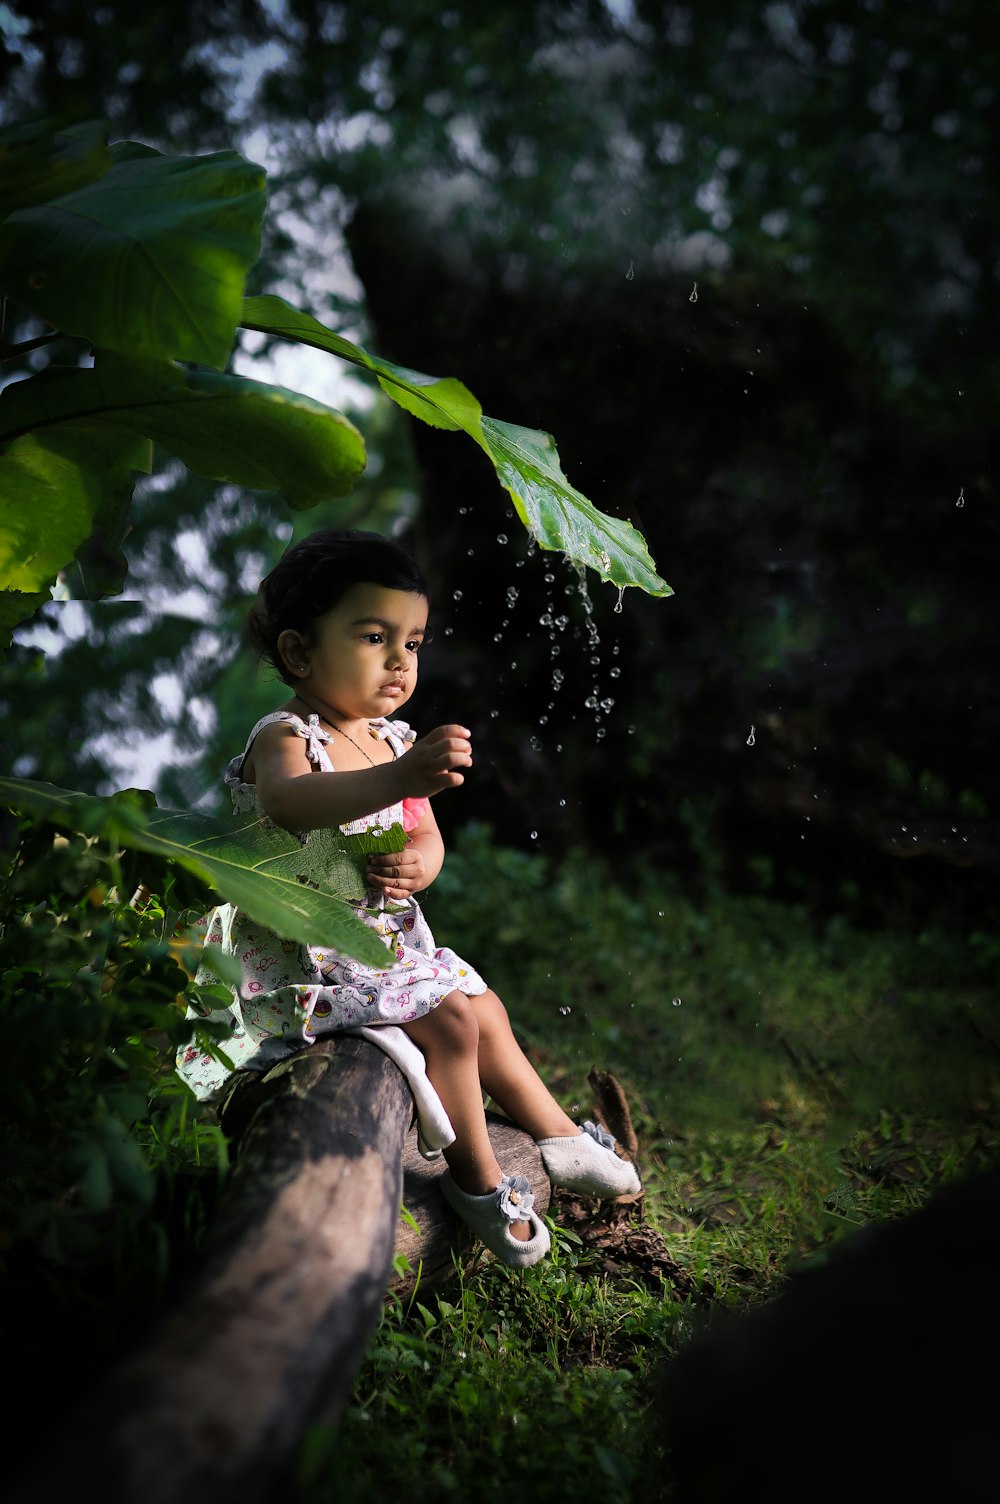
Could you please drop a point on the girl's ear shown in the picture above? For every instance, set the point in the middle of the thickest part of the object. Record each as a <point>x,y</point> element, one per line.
<point>293,649</point>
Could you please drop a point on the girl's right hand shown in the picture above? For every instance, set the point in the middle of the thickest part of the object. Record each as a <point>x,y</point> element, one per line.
<point>431,765</point>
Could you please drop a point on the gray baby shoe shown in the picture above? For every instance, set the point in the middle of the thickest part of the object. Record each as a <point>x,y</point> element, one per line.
<point>490,1217</point>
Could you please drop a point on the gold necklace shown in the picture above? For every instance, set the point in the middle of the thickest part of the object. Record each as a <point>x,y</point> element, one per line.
<point>341,732</point>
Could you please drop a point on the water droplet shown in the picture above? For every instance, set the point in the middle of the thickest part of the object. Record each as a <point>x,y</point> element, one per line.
<point>694,294</point>
<point>456,595</point>
<point>494,714</point>
<point>615,673</point>
<point>498,637</point>
<point>961,497</point>
<point>630,274</point>
<point>660,912</point>
<point>448,631</point>
<point>534,835</point>
<point>462,511</point>
<point>750,738</point>
<point>676,1002</point>
<point>501,537</point>
<point>562,803</point>
<point>536,743</point>
<point>564,1011</point>
<point>618,602</point>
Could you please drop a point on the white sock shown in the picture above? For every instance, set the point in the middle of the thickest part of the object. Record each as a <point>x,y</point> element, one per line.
<point>588,1163</point>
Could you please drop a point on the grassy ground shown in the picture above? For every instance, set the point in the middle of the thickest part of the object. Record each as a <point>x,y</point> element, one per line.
<point>790,1084</point>
<point>791,1081</point>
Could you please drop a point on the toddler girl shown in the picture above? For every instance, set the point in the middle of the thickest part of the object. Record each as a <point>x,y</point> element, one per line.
<point>342,618</point>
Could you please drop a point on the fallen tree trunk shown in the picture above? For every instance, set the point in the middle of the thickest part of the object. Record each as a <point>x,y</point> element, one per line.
<point>270,1334</point>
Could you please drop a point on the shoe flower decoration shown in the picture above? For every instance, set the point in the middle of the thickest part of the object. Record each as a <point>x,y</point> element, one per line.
<point>602,1135</point>
<point>515,1198</point>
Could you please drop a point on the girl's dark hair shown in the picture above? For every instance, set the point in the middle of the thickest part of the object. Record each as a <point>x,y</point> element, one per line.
<point>313,575</point>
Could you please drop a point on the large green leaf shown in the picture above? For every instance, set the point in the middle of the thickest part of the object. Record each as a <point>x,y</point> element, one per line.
<point>15,607</point>
<point>54,486</point>
<point>561,517</point>
<point>40,161</point>
<point>225,427</point>
<point>149,259</point>
<point>526,460</point>
<point>444,403</point>
<point>301,893</point>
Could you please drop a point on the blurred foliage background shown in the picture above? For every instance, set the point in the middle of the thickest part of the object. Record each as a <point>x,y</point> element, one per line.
<point>743,265</point>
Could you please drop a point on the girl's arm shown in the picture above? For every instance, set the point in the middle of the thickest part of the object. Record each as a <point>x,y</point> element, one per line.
<point>296,797</point>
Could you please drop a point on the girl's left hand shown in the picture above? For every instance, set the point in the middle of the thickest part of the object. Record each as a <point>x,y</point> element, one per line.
<point>397,873</point>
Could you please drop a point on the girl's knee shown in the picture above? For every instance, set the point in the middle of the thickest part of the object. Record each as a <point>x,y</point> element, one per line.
<point>491,1014</point>
<point>454,1023</point>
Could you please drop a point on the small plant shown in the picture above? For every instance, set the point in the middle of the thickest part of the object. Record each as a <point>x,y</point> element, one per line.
<point>109,1168</point>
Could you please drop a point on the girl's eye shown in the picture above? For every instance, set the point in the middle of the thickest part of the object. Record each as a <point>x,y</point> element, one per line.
<point>375,638</point>
<point>413,647</point>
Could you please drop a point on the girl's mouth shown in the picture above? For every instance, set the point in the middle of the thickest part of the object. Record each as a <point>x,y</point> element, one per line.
<point>396,687</point>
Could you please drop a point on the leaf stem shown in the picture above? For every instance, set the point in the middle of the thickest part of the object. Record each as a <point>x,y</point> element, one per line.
<point>10,352</point>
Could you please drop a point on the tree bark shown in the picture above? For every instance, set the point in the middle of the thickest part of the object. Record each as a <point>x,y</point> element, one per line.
<point>270,1334</point>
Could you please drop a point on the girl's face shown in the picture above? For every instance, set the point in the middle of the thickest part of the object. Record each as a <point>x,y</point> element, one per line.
<point>362,658</point>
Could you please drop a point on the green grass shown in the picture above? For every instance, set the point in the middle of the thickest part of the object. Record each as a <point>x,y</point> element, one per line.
<point>790,1081</point>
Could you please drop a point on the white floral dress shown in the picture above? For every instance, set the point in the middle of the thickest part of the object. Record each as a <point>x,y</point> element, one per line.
<point>291,993</point>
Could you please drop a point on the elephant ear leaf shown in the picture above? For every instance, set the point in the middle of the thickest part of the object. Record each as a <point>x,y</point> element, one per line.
<point>525,460</point>
<point>149,258</point>
<point>39,161</point>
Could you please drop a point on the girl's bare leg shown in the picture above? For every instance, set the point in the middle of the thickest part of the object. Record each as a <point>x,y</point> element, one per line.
<point>449,1039</point>
<point>508,1076</point>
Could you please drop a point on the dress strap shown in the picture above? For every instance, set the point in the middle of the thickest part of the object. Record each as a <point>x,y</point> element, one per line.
<point>315,739</point>
<point>313,735</point>
<point>399,734</point>
<point>265,720</point>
